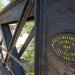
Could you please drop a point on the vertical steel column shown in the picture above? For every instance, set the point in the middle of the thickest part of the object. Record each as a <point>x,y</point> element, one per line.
<point>17,69</point>
<point>40,37</point>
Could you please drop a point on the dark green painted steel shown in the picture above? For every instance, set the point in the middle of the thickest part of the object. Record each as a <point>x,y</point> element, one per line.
<point>53,18</point>
<point>16,68</point>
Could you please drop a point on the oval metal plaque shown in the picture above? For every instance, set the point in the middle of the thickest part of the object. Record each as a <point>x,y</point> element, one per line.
<point>64,46</point>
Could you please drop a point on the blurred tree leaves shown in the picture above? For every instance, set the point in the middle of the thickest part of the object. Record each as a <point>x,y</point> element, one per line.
<point>28,55</point>
<point>27,28</point>
<point>1,5</point>
<point>29,58</point>
<point>10,0</point>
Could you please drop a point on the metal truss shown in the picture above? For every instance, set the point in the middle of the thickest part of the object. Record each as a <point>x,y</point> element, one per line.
<point>17,11</point>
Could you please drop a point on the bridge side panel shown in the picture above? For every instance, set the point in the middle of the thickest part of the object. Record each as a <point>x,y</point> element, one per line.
<point>13,12</point>
<point>16,68</point>
<point>53,18</point>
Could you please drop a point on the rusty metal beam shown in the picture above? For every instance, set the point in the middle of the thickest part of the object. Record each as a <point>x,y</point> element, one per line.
<point>12,11</point>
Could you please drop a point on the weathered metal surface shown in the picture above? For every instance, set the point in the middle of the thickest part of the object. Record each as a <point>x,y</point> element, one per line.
<point>53,18</point>
<point>40,37</point>
<point>3,69</point>
<point>30,37</point>
<point>16,68</point>
<point>13,11</point>
<point>26,11</point>
<point>60,8</point>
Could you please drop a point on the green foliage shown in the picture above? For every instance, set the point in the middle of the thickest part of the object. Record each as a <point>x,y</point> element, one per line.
<point>28,55</point>
<point>29,58</point>
<point>10,0</point>
<point>28,26</point>
<point>1,5</point>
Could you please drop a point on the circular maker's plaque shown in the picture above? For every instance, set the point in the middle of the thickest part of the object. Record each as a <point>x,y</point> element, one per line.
<point>64,46</point>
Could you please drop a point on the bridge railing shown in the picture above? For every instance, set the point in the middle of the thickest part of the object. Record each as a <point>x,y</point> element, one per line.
<point>18,12</point>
